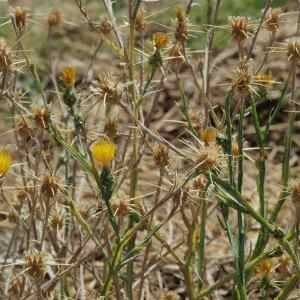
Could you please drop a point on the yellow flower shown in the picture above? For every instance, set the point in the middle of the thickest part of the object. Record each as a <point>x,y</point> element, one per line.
<point>5,162</point>
<point>160,40</point>
<point>68,76</point>
<point>264,268</point>
<point>103,151</point>
<point>209,135</point>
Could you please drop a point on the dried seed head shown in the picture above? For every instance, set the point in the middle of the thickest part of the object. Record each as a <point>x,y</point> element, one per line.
<point>176,54</point>
<point>5,162</point>
<point>56,220</point>
<point>55,18</point>
<point>264,268</point>
<point>103,151</point>
<point>242,80</point>
<point>293,51</point>
<point>272,20</point>
<point>161,156</point>
<point>35,266</point>
<point>181,33</point>
<point>105,26</point>
<point>20,18</point>
<point>109,89</point>
<point>209,135</point>
<point>120,207</point>
<point>240,29</point>
<point>209,157</point>
<point>41,116</point>
<point>200,182</point>
<point>68,76</point>
<point>49,186</point>
<point>111,128</point>
<point>140,23</point>
<point>170,295</point>
<point>5,56</point>
<point>180,14</point>
<point>160,40</point>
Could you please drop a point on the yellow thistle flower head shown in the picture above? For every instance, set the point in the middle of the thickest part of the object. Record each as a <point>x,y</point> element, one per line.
<point>103,151</point>
<point>264,268</point>
<point>5,162</point>
<point>209,135</point>
<point>68,76</point>
<point>160,40</point>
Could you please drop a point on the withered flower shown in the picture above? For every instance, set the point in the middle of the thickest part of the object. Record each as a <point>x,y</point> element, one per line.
<point>105,26</point>
<point>181,33</point>
<point>110,89</point>
<point>240,28</point>
<point>5,56</point>
<point>20,18</point>
<point>55,18</point>
<point>161,156</point>
<point>272,20</point>
<point>140,23</point>
<point>49,186</point>
<point>41,116</point>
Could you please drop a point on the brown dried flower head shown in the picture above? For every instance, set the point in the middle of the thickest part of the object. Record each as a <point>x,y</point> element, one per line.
<point>272,20</point>
<point>56,220</point>
<point>240,28</point>
<point>111,128</point>
<point>140,23</point>
<point>20,18</point>
<point>35,265</point>
<point>49,186</point>
<point>5,56</point>
<point>200,182</point>
<point>109,89</point>
<point>176,54</point>
<point>105,26</point>
<point>242,79</point>
<point>161,156</point>
<point>55,18</point>
<point>120,207</point>
<point>209,157</point>
<point>41,116</point>
<point>181,33</point>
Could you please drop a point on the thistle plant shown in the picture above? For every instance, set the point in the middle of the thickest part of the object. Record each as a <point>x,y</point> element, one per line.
<point>143,159</point>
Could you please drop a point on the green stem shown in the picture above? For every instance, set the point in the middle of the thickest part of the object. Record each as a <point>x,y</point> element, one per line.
<point>290,286</point>
<point>241,220</point>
